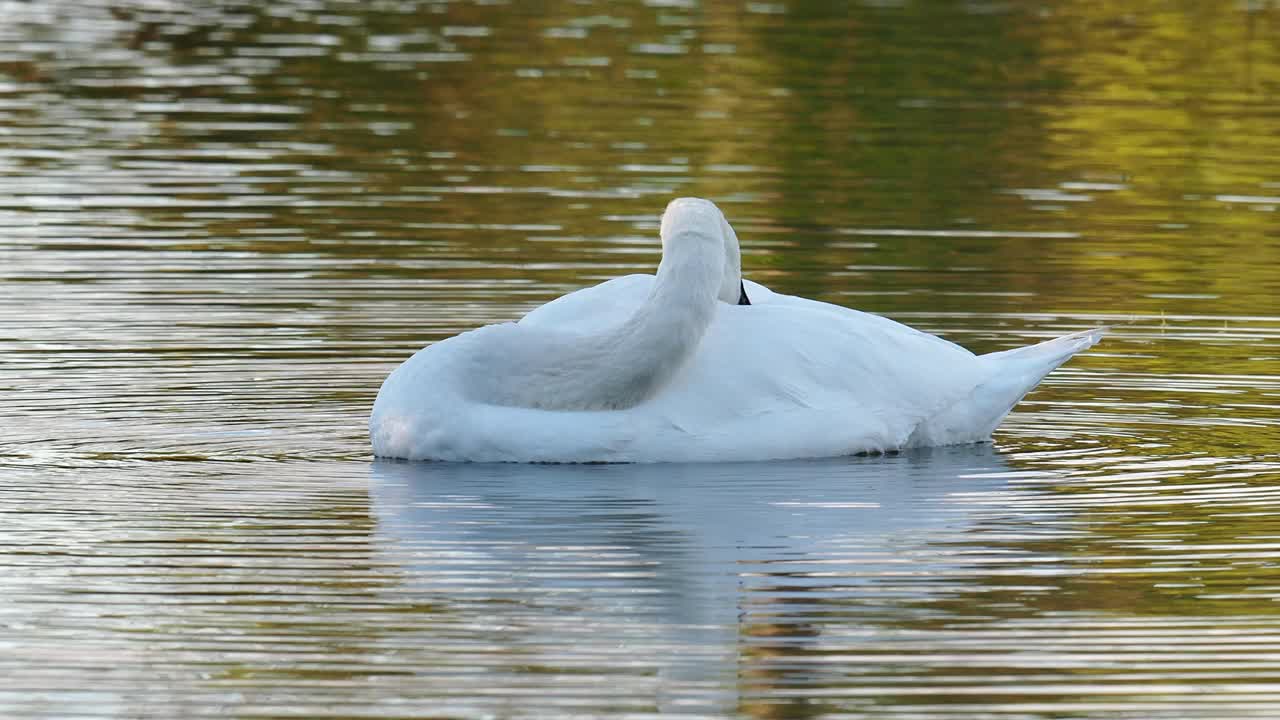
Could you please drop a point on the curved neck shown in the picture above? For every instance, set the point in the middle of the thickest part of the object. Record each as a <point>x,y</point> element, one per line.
<point>613,369</point>
<point>644,352</point>
<point>666,329</point>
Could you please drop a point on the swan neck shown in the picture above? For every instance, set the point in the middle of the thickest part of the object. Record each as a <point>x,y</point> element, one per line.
<point>684,291</point>
<point>617,368</point>
<point>664,332</point>
<point>678,309</point>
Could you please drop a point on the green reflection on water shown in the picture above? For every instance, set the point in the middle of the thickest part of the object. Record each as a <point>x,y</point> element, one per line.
<point>1141,141</point>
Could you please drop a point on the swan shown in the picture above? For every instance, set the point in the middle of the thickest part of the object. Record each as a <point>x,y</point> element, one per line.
<point>696,363</point>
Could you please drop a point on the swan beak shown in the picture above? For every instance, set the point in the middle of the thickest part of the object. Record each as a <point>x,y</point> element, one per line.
<point>742,294</point>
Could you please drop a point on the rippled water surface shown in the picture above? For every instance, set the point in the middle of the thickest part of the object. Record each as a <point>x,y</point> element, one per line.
<point>222,223</point>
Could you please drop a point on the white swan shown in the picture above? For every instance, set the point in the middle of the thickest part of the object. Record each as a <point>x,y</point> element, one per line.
<point>670,367</point>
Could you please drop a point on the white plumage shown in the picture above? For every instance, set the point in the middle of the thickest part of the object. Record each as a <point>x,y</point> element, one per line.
<point>658,368</point>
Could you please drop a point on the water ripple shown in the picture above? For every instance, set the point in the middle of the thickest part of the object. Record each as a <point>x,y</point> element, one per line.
<point>222,225</point>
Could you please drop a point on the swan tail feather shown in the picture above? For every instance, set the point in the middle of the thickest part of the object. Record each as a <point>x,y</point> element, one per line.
<point>1012,374</point>
<point>1034,362</point>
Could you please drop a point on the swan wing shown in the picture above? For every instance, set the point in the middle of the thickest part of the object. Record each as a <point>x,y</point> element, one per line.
<point>796,379</point>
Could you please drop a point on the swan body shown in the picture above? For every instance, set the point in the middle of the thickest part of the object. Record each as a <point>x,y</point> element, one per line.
<point>669,368</point>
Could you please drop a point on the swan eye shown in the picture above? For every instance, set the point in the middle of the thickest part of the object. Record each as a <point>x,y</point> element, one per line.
<point>742,294</point>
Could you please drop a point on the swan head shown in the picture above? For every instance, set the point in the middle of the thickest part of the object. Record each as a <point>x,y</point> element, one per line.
<point>702,216</point>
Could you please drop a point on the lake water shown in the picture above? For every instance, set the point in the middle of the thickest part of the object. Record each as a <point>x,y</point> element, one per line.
<point>222,223</point>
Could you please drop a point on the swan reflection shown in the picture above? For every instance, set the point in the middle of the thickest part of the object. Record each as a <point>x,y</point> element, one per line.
<point>693,571</point>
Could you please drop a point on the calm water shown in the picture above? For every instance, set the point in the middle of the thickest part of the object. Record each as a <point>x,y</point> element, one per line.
<point>222,223</point>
